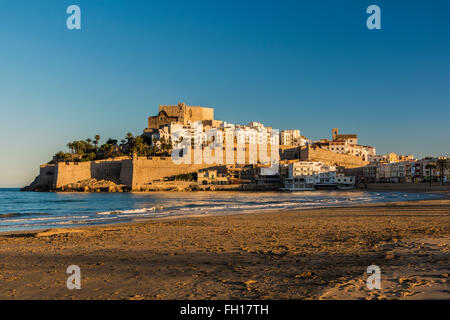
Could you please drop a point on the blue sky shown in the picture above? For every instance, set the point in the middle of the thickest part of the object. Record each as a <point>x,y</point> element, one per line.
<point>311,65</point>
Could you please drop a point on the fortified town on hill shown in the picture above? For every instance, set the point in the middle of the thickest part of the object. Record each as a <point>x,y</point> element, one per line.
<point>144,163</point>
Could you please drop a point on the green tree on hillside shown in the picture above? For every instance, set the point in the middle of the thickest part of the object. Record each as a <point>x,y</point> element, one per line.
<point>112,141</point>
<point>61,157</point>
<point>97,139</point>
<point>89,150</point>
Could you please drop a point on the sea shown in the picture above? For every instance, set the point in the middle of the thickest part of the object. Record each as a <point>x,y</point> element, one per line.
<point>43,210</point>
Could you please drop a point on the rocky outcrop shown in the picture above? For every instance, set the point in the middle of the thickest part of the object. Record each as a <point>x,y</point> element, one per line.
<point>94,185</point>
<point>45,181</point>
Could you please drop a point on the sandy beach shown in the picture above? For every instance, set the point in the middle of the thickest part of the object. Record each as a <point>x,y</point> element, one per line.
<point>306,254</point>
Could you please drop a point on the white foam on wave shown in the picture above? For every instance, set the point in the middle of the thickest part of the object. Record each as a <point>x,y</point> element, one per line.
<point>44,219</point>
<point>185,207</point>
<point>59,223</point>
<point>143,210</point>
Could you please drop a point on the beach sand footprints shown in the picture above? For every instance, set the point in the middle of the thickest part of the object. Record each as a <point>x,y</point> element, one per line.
<point>407,274</point>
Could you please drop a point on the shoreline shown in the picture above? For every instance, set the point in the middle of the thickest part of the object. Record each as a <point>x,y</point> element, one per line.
<point>442,194</point>
<point>184,186</point>
<point>319,253</point>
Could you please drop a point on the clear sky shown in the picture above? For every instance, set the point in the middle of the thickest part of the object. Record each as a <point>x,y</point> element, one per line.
<point>311,65</point>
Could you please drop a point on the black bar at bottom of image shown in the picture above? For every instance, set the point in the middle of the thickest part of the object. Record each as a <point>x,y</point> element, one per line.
<point>234,309</point>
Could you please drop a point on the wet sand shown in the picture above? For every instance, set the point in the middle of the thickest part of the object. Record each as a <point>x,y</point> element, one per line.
<point>306,254</point>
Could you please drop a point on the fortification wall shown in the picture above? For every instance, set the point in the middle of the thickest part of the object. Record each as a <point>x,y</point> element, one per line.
<point>46,178</point>
<point>173,111</point>
<point>146,170</point>
<point>126,172</point>
<point>72,172</point>
<point>328,157</point>
<point>133,172</point>
<point>106,170</point>
<point>180,113</point>
<point>200,113</point>
<point>130,172</point>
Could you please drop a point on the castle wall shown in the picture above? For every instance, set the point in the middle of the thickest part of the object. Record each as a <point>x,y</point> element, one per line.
<point>133,172</point>
<point>106,170</point>
<point>130,172</point>
<point>180,113</point>
<point>173,111</point>
<point>46,178</point>
<point>146,170</point>
<point>126,172</point>
<point>199,113</point>
<point>72,172</point>
<point>331,158</point>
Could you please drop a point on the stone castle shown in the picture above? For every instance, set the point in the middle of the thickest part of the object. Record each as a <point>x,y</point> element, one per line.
<point>181,113</point>
<point>135,172</point>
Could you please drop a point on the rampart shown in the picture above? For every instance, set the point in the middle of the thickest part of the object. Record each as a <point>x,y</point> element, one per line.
<point>130,172</point>
<point>328,157</point>
<point>138,171</point>
<point>146,170</point>
<point>46,177</point>
<point>70,172</point>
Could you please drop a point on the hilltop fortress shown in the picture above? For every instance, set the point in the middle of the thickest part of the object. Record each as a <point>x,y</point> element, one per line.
<point>140,172</point>
<point>182,114</point>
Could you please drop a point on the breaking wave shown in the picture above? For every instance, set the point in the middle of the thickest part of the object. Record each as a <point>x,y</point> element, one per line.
<point>26,211</point>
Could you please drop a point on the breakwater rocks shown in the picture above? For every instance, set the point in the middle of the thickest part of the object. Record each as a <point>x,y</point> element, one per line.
<point>96,185</point>
<point>88,185</point>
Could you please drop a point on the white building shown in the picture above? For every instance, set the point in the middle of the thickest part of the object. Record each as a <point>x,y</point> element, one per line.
<point>254,133</point>
<point>319,172</point>
<point>345,182</point>
<point>289,137</point>
<point>305,175</point>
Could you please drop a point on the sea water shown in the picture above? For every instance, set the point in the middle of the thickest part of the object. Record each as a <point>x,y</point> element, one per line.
<point>36,210</point>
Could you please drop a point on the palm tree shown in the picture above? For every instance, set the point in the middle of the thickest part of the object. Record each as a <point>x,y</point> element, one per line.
<point>97,139</point>
<point>442,164</point>
<point>111,141</point>
<point>70,145</point>
<point>129,137</point>
<point>430,166</point>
